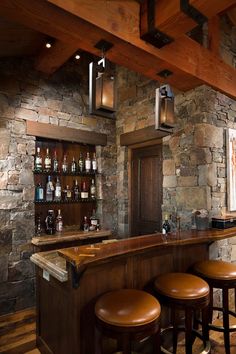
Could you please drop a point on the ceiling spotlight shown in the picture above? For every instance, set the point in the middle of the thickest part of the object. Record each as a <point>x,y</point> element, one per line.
<point>49,43</point>
<point>77,56</point>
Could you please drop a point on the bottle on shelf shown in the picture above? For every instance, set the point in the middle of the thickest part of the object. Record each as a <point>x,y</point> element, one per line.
<point>39,193</point>
<point>85,224</point>
<point>49,190</point>
<point>87,163</point>
<point>166,225</point>
<point>94,163</point>
<point>59,221</point>
<point>67,193</point>
<point>64,165</point>
<point>55,163</point>
<point>76,192</point>
<point>57,195</point>
<point>50,223</point>
<point>84,190</point>
<point>38,164</point>
<point>38,227</point>
<point>47,161</point>
<point>81,163</point>
<point>94,222</point>
<point>93,190</point>
<point>73,166</point>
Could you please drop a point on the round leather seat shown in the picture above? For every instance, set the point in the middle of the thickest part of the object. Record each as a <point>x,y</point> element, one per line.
<point>127,307</point>
<point>215,269</point>
<point>181,286</point>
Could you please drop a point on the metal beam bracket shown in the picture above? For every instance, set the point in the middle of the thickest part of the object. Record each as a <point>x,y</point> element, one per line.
<point>153,35</point>
<point>192,12</point>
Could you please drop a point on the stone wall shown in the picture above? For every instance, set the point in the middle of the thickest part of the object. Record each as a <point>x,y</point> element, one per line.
<point>61,100</point>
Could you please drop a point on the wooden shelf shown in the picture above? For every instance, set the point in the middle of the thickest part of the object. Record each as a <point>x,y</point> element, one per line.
<point>142,136</point>
<point>51,131</point>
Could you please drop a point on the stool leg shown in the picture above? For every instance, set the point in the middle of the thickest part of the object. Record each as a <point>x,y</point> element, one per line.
<point>156,340</point>
<point>235,300</point>
<point>188,331</point>
<point>210,308</point>
<point>126,344</point>
<point>175,331</point>
<point>205,328</point>
<point>226,320</point>
<point>98,341</point>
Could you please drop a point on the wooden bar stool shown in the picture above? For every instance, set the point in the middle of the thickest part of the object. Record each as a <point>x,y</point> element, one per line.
<point>221,275</point>
<point>182,291</point>
<point>127,315</point>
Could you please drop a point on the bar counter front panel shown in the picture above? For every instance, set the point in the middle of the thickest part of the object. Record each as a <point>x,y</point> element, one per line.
<point>65,307</point>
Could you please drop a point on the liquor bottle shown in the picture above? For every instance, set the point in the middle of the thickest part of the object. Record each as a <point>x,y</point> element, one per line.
<point>38,161</point>
<point>64,165</point>
<point>47,161</point>
<point>93,190</point>
<point>166,225</point>
<point>76,193</point>
<point>49,190</point>
<point>94,163</point>
<point>87,163</point>
<point>81,163</point>
<point>84,190</point>
<point>73,166</point>
<point>67,193</point>
<point>57,196</point>
<point>94,222</point>
<point>39,193</point>
<point>85,224</point>
<point>50,223</point>
<point>59,221</point>
<point>55,163</point>
<point>38,228</point>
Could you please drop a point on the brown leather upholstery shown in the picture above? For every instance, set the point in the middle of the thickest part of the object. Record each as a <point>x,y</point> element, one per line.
<point>127,307</point>
<point>181,286</point>
<point>215,269</point>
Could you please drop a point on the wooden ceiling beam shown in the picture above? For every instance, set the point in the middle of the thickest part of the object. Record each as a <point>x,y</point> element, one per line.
<point>122,20</point>
<point>232,15</point>
<point>171,19</point>
<point>49,60</point>
<point>118,22</point>
<point>214,35</point>
<point>42,16</point>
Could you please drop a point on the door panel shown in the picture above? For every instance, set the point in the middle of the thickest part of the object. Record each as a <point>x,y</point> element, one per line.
<point>146,190</point>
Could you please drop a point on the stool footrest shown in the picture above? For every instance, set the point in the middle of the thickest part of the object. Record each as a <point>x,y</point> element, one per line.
<point>205,350</point>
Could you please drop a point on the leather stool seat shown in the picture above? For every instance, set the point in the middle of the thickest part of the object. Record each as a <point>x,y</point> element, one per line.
<point>126,315</point>
<point>181,286</point>
<point>215,269</point>
<point>128,307</point>
<point>189,293</point>
<point>221,275</point>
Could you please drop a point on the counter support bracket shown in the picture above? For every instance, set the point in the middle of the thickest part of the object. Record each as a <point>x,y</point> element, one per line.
<point>76,276</point>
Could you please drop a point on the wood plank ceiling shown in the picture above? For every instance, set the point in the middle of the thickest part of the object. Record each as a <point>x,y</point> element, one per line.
<point>80,24</point>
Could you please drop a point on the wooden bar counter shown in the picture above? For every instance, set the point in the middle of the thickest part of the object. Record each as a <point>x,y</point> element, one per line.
<point>65,300</point>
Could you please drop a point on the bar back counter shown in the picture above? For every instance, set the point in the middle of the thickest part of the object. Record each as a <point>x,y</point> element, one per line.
<point>70,280</point>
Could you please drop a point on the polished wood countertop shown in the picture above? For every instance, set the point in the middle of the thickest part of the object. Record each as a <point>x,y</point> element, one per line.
<point>92,254</point>
<point>70,235</point>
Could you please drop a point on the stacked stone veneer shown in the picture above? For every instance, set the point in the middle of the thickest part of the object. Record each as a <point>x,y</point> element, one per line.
<point>60,100</point>
<point>194,157</point>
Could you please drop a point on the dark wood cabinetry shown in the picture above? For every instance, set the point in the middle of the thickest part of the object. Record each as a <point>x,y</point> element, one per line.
<point>72,210</point>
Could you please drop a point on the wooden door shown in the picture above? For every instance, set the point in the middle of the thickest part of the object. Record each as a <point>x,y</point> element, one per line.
<point>146,190</point>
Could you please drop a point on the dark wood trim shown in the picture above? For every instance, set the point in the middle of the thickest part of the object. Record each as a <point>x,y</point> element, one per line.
<point>52,131</point>
<point>141,136</point>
